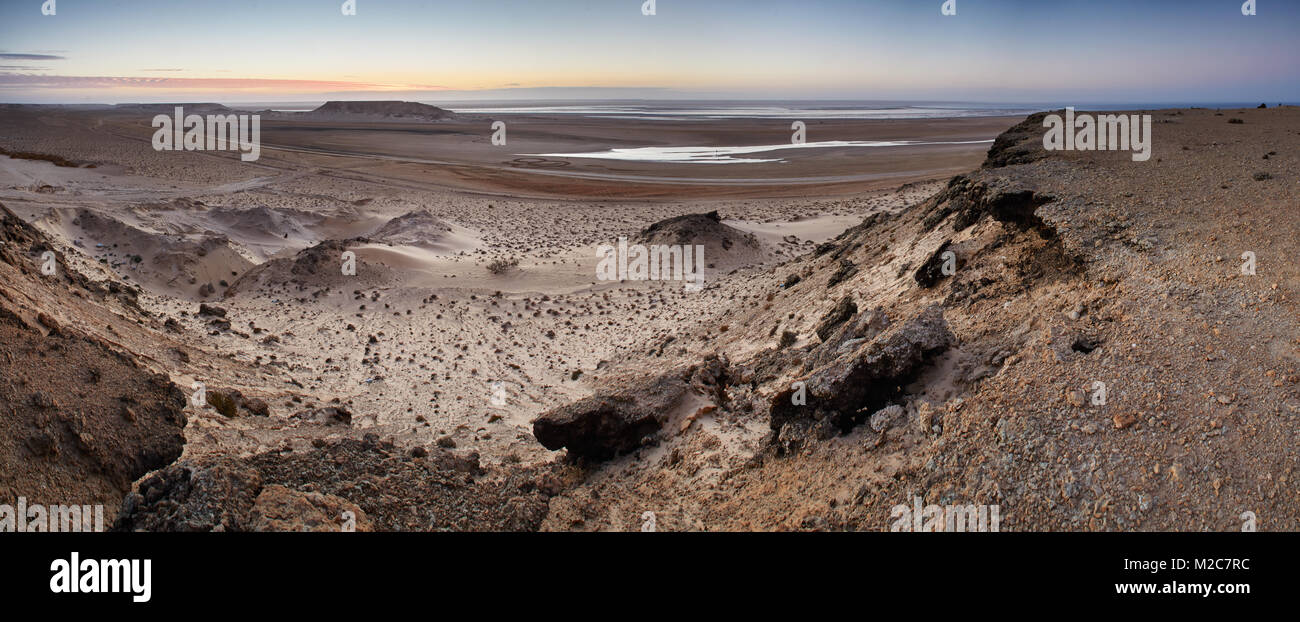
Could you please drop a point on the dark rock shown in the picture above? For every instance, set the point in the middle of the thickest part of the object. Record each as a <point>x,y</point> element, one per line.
<point>870,377</point>
<point>330,415</point>
<point>846,270</point>
<point>258,407</point>
<point>184,498</point>
<point>931,271</point>
<point>225,401</point>
<point>849,336</point>
<point>605,425</point>
<point>48,322</point>
<point>211,310</point>
<point>41,399</point>
<point>1021,144</point>
<point>839,314</point>
<point>442,492</point>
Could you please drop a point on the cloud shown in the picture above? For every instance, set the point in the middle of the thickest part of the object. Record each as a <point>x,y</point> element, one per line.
<point>35,81</point>
<point>7,56</point>
<point>162,70</point>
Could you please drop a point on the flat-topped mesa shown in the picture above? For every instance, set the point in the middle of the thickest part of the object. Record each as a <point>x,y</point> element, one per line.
<point>381,109</point>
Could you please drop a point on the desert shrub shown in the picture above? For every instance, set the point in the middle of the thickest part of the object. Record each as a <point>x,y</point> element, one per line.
<point>223,403</point>
<point>502,266</point>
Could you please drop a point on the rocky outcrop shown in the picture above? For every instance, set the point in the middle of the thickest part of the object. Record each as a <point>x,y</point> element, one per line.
<point>329,415</point>
<point>386,490</point>
<point>725,246</point>
<point>322,258</point>
<point>1000,198</point>
<point>931,271</point>
<point>839,314</point>
<point>22,247</point>
<point>188,498</point>
<point>847,337</point>
<point>82,417</point>
<point>283,509</point>
<point>861,381</point>
<point>1021,144</point>
<point>607,424</point>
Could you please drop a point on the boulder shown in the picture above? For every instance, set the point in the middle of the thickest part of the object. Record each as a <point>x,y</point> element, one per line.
<point>868,378</point>
<point>605,425</point>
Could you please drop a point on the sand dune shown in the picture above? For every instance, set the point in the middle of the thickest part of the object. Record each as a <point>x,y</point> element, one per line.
<point>183,264</point>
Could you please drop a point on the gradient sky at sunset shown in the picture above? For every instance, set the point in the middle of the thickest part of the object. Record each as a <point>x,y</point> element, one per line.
<point>1120,51</point>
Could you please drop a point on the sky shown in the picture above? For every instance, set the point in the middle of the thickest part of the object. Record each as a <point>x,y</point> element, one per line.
<point>1000,51</point>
